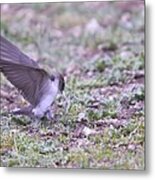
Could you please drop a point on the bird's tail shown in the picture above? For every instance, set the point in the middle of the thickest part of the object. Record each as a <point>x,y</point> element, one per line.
<point>27,111</point>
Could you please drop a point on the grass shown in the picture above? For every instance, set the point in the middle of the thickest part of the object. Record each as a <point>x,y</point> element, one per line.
<point>100,123</point>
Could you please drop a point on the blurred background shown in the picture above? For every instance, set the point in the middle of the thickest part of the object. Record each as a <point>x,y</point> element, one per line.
<point>62,34</point>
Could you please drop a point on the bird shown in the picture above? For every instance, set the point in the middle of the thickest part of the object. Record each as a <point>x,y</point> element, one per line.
<point>34,83</point>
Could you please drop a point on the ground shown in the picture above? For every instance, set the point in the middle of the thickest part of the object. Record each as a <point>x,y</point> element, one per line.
<point>99,48</point>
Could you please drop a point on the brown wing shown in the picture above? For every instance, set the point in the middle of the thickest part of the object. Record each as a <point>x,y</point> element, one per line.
<point>9,52</point>
<point>28,80</point>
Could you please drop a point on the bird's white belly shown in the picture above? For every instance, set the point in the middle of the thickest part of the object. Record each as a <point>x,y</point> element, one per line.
<point>46,100</point>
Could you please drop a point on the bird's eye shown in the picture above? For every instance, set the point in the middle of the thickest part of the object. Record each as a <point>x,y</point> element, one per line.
<point>52,78</point>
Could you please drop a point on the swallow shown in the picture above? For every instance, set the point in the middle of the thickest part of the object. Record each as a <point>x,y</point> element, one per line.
<point>35,84</point>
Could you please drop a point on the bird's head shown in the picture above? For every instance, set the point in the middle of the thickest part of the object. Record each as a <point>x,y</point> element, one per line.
<point>60,79</point>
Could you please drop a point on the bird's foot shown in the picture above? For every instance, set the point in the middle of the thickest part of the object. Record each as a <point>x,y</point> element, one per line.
<point>49,115</point>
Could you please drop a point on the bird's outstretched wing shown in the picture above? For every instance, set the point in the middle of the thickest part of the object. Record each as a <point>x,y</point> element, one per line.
<point>9,52</point>
<point>29,80</point>
<point>23,72</point>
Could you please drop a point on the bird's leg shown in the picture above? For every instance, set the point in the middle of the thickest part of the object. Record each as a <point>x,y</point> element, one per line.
<point>37,122</point>
<point>38,114</point>
<point>49,114</point>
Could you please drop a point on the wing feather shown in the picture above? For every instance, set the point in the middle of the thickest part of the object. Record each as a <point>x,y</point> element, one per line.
<point>10,52</point>
<point>28,80</point>
<point>23,72</point>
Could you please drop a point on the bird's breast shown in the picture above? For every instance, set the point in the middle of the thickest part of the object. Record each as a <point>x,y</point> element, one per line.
<point>49,94</point>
